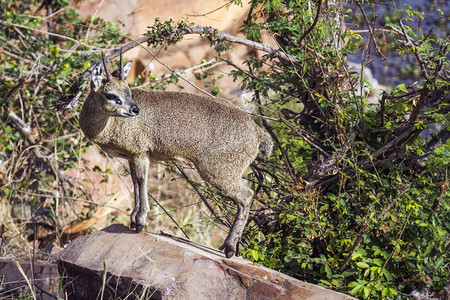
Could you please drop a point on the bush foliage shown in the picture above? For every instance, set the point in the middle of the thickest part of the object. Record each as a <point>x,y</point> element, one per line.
<point>355,196</point>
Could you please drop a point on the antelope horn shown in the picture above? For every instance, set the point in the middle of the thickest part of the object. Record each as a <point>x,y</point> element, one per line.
<point>121,76</point>
<point>108,74</point>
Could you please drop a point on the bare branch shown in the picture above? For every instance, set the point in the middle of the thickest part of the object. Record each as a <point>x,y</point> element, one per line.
<point>319,7</point>
<point>233,39</point>
<point>93,19</point>
<point>22,127</point>
<point>437,141</point>
<point>199,29</point>
<point>377,48</point>
<point>48,33</point>
<point>410,44</point>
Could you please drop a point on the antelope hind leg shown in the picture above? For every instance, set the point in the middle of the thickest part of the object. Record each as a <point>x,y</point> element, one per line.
<point>243,199</point>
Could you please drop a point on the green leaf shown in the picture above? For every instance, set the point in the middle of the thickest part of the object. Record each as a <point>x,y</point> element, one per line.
<point>216,90</point>
<point>328,271</point>
<point>366,291</point>
<point>349,272</point>
<point>356,289</point>
<point>378,262</point>
<point>402,88</point>
<point>255,255</point>
<point>442,247</point>
<point>366,272</point>
<point>362,265</point>
<point>55,50</point>
<point>324,208</point>
<point>327,283</point>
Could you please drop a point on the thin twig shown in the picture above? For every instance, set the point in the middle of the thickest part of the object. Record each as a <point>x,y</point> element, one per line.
<point>319,7</point>
<point>199,29</point>
<point>64,37</point>
<point>228,4</point>
<point>203,67</point>
<point>410,44</point>
<point>372,35</point>
<point>92,19</point>
<point>46,17</point>
<point>167,213</point>
<point>19,57</point>
<point>197,191</point>
<point>179,75</point>
<point>366,227</point>
<point>71,198</point>
<point>373,29</point>
<point>269,129</point>
<point>305,136</point>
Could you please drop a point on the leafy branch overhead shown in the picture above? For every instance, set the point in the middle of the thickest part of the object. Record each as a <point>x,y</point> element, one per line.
<point>170,33</point>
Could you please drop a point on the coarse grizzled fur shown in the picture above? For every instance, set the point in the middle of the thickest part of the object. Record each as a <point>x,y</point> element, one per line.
<point>219,138</point>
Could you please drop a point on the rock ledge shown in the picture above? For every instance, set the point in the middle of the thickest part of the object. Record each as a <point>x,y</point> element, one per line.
<point>166,267</point>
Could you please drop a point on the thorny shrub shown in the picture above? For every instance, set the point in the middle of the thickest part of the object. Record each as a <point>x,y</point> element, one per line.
<point>355,196</point>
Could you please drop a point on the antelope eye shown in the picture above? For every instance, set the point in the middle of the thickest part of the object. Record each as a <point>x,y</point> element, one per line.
<point>110,96</point>
<point>118,102</point>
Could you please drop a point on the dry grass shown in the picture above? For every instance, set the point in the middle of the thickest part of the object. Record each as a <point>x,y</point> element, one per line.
<point>106,199</point>
<point>33,220</point>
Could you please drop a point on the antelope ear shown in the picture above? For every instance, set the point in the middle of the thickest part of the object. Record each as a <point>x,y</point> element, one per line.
<point>97,77</point>
<point>126,69</point>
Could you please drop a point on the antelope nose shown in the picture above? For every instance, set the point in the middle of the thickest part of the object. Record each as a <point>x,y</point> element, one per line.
<point>135,110</point>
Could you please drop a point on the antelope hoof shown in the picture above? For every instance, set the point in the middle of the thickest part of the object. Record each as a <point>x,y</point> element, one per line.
<point>132,225</point>
<point>229,250</point>
<point>229,253</point>
<point>139,228</point>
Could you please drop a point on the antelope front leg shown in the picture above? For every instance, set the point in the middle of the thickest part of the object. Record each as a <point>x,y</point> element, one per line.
<point>139,173</point>
<point>136,195</point>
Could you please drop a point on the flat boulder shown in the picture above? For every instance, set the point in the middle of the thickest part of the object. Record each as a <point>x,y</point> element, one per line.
<point>117,263</point>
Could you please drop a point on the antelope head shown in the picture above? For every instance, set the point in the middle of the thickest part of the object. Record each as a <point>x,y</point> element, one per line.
<point>113,91</point>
